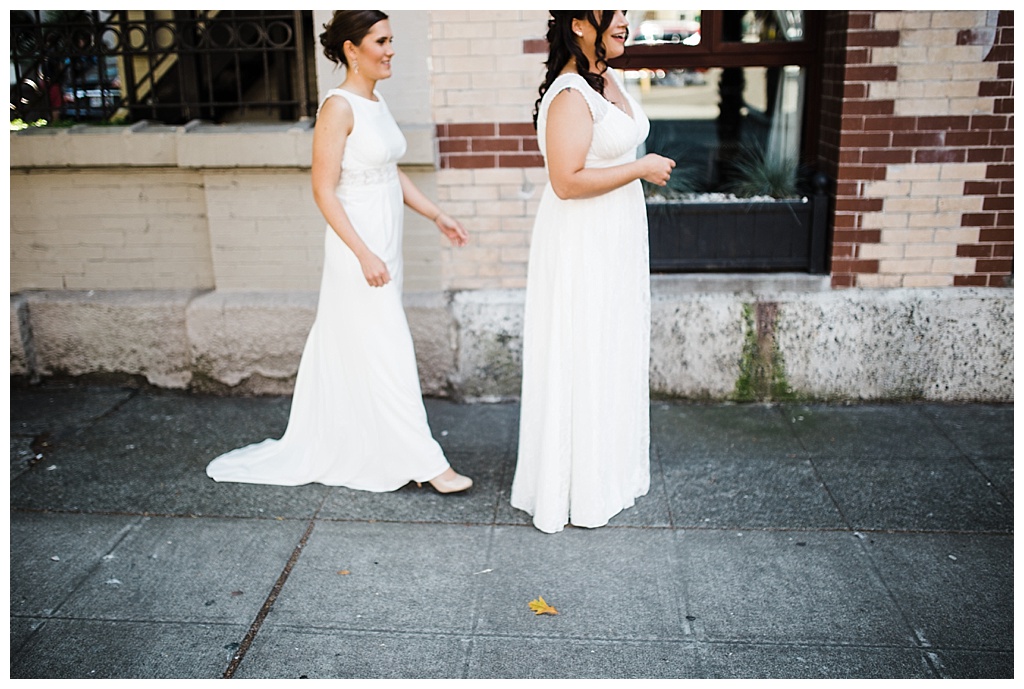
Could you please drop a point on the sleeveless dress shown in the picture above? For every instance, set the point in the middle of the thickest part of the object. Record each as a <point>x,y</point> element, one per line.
<point>584,434</point>
<point>357,417</point>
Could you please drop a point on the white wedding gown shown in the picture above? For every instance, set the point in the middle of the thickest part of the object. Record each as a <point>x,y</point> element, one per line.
<point>584,434</point>
<point>357,417</point>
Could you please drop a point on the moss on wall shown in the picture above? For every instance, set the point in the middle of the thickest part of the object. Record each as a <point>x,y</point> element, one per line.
<point>762,369</point>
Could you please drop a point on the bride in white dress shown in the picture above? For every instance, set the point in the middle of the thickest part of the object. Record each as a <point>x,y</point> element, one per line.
<point>584,431</point>
<point>357,417</point>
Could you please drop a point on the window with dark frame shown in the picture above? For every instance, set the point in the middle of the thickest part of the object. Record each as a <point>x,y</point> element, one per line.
<point>732,96</point>
<point>168,66</point>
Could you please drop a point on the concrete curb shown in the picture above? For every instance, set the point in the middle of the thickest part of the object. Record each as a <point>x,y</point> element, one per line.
<point>742,342</point>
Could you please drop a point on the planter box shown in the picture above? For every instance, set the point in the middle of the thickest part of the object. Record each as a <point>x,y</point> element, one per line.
<point>766,236</point>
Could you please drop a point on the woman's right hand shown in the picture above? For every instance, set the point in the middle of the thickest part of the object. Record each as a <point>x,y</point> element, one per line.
<point>656,169</point>
<point>374,270</point>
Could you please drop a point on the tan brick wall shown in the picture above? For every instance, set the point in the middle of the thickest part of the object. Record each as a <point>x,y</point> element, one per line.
<point>115,226</point>
<point>485,77</point>
<point>265,230</point>
<point>497,206</point>
<point>479,69</point>
<point>925,180</point>
<point>108,230</point>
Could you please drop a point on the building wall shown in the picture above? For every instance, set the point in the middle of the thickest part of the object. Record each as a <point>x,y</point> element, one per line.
<point>486,71</point>
<point>207,238</point>
<point>924,194</point>
<point>209,208</point>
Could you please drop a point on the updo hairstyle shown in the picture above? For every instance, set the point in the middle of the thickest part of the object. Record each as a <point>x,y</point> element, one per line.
<point>347,25</point>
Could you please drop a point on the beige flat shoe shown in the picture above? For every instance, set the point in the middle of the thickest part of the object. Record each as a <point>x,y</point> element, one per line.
<point>455,484</point>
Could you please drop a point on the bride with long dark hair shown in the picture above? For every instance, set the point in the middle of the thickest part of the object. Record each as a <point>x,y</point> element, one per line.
<point>584,432</point>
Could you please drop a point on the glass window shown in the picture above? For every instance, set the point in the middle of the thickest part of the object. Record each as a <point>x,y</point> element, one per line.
<point>664,27</point>
<point>725,91</point>
<point>714,121</point>
<point>763,26</point>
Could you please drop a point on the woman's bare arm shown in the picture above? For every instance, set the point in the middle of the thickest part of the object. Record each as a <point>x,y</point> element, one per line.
<point>570,130</point>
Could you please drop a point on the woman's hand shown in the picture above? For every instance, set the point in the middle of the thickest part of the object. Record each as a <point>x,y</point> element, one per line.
<point>452,229</point>
<point>374,270</point>
<point>656,168</point>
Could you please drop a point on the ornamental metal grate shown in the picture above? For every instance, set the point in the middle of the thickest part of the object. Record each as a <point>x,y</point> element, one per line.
<point>168,66</point>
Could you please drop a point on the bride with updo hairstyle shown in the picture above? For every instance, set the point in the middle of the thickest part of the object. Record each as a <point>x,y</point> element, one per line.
<point>357,417</point>
<point>584,432</point>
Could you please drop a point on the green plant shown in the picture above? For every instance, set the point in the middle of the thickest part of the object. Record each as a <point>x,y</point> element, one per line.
<point>19,124</point>
<point>759,173</point>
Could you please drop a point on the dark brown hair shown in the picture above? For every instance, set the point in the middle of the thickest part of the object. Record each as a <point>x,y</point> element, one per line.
<point>562,47</point>
<point>347,25</point>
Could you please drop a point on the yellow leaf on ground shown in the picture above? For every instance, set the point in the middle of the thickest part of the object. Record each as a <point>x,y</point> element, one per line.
<point>541,607</point>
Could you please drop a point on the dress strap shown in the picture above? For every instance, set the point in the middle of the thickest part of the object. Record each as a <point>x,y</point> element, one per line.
<point>598,105</point>
<point>353,100</point>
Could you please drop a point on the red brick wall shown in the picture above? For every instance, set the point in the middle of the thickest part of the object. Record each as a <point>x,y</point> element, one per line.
<point>871,138</point>
<point>865,146</point>
<point>990,140</point>
<point>488,145</point>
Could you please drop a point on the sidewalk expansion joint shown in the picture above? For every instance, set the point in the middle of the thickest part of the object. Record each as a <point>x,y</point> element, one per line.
<point>254,629</point>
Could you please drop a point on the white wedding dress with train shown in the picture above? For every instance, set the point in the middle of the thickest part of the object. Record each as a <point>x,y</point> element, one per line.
<point>357,417</point>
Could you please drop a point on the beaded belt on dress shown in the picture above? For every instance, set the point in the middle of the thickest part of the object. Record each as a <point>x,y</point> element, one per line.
<point>373,175</point>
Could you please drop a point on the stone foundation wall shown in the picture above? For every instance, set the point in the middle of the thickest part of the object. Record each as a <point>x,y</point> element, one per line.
<point>712,338</point>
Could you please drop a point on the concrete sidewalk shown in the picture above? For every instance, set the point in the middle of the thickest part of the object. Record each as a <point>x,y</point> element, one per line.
<point>780,541</point>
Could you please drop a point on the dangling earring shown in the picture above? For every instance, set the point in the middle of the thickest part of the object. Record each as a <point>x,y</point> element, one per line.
<point>355,66</point>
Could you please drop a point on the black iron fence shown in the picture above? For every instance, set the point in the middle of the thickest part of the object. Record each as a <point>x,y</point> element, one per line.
<point>170,66</point>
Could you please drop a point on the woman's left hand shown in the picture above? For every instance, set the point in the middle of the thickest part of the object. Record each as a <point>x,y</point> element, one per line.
<point>452,229</point>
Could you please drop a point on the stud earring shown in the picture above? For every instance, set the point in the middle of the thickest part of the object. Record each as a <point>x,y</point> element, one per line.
<point>578,33</point>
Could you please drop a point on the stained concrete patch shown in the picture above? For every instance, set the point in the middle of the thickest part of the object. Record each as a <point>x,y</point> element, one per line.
<point>748,493</point>
<point>309,653</point>
<point>400,577</point>
<point>973,664</point>
<point>869,431</point>
<point>683,431</point>
<point>783,661</point>
<point>605,583</point>
<point>487,429</point>
<point>915,494</point>
<point>65,407</point>
<point>187,570</point>
<point>981,431</point>
<point>560,658</point>
<point>53,554</point>
<point>899,344</point>
<point>123,649</point>
<point>977,567</point>
<point>22,454</point>
<point>152,455</point>
<point>489,353</point>
<point>998,472</point>
<point>786,587</point>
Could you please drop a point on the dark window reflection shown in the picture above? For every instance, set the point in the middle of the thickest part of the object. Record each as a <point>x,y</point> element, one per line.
<point>664,27</point>
<point>715,122</point>
<point>763,26</point>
